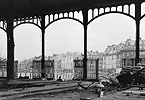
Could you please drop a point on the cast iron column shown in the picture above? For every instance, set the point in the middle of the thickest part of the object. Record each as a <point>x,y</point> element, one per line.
<point>10,49</point>
<point>85,22</point>
<point>10,42</point>
<point>97,70</point>
<point>137,18</point>
<point>43,46</point>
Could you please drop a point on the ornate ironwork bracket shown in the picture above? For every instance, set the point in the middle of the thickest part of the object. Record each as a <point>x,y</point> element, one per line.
<point>31,20</point>
<point>121,9</point>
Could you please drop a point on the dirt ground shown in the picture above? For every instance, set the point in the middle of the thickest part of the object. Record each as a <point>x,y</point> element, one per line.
<point>78,94</point>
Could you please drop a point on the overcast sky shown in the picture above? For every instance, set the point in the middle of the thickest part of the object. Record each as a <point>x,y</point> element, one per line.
<point>67,35</point>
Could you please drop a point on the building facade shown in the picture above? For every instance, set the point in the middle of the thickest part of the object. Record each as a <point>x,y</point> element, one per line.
<point>129,53</point>
<point>25,67</point>
<point>92,69</point>
<point>3,68</point>
<point>49,69</point>
<point>96,55</point>
<point>70,65</point>
<point>64,65</point>
<point>122,55</point>
<point>78,69</point>
<point>113,56</point>
<point>94,64</point>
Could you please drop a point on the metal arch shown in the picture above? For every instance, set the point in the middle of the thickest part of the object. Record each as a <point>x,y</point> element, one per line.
<point>4,26</point>
<point>61,19</point>
<point>110,13</point>
<point>142,17</point>
<point>27,23</point>
<point>3,29</point>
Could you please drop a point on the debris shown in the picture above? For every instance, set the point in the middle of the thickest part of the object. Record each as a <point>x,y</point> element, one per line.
<point>131,77</point>
<point>98,88</point>
<point>128,93</point>
<point>84,86</point>
<point>100,85</point>
<point>85,98</point>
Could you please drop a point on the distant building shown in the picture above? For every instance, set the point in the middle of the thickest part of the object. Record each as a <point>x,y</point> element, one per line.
<point>78,69</point>
<point>96,55</point>
<point>129,52</point>
<point>64,65</point>
<point>49,69</point>
<point>122,55</point>
<point>92,55</point>
<point>92,65</point>
<point>3,68</point>
<point>25,67</point>
<point>112,57</point>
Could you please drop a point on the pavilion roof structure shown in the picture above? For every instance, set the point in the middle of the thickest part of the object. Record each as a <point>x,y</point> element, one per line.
<point>22,11</point>
<point>31,8</point>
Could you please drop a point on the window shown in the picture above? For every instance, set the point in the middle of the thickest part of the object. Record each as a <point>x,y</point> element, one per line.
<point>104,58</point>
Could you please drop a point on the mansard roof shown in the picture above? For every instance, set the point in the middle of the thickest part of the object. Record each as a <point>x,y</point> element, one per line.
<point>130,42</point>
<point>123,46</point>
<point>30,8</point>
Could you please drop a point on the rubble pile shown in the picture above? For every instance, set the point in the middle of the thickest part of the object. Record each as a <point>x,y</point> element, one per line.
<point>132,76</point>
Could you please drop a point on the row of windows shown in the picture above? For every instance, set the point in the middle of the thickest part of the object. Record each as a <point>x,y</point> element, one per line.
<point>109,67</point>
<point>64,77</point>
<point>142,47</point>
<point>111,57</point>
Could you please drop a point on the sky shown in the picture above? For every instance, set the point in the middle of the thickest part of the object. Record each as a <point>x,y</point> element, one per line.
<point>67,35</point>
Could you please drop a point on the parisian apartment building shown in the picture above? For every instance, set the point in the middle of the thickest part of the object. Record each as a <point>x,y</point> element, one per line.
<point>49,68</point>
<point>112,56</point>
<point>69,66</point>
<point>94,64</point>
<point>122,55</point>
<point>129,52</point>
<point>3,68</point>
<point>30,67</point>
<point>63,65</point>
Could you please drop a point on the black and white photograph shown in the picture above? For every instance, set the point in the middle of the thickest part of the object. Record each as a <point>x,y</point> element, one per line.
<point>72,49</point>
